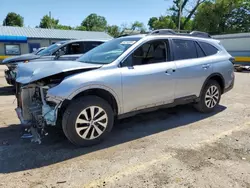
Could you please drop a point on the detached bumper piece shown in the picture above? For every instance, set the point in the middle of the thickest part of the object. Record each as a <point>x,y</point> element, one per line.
<point>30,130</point>
<point>241,67</point>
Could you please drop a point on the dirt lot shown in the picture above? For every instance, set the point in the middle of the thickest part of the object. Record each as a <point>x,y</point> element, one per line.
<point>175,147</point>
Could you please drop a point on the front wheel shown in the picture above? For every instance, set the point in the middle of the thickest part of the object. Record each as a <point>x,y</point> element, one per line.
<point>210,97</point>
<point>88,120</point>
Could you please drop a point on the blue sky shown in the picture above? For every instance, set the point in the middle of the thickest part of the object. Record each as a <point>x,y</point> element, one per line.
<point>72,12</point>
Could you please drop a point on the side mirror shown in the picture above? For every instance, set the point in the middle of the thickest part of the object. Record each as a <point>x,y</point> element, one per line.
<point>127,62</point>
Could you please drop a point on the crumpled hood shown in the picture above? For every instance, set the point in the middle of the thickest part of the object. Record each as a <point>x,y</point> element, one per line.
<point>30,72</point>
<point>23,57</point>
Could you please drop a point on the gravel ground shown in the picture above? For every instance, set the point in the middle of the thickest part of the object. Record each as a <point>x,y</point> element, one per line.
<point>175,147</point>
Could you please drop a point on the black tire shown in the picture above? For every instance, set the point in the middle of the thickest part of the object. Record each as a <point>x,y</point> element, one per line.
<point>201,105</point>
<point>72,112</point>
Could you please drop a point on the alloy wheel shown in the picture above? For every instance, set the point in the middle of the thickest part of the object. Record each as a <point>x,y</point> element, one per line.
<point>212,96</point>
<point>91,122</point>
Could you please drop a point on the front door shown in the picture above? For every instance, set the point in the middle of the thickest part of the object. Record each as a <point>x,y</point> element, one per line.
<point>148,77</point>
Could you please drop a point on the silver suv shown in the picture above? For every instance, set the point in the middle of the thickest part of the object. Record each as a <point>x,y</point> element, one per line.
<point>120,78</point>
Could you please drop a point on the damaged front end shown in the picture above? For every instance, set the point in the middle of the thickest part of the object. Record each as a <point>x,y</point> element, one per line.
<point>10,74</point>
<point>37,110</point>
<point>34,111</point>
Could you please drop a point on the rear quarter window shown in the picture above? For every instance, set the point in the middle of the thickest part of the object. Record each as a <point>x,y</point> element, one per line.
<point>184,49</point>
<point>208,48</point>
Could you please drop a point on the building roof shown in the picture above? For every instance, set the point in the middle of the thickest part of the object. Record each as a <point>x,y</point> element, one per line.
<point>51,33</point>
<point>231,36</point>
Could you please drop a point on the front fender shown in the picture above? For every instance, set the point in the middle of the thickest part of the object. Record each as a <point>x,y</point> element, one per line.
<point>97,86</point>
<point>109,80</point>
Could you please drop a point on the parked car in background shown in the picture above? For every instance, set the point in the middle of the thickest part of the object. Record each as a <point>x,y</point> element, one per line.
<point>39,50</point>
<point>120,78</point>
<point>63,50</point>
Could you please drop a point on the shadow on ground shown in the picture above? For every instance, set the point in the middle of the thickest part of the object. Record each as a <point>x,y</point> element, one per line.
<point>7,90</point>
<point>23,155</point>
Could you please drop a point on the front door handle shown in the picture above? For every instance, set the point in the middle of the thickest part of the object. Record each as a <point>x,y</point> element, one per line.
<point>206,66</point>
<point>169,71</point>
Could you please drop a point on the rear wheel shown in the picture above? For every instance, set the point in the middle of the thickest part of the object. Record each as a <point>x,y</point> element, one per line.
<point>87,121</point>
<point>210,97</point>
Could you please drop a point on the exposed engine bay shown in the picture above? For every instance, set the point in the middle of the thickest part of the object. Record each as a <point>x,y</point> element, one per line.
<point>34,112</point>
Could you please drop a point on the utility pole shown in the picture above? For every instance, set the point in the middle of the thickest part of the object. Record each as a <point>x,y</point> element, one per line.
<point>180,14</point>
<point>50,24</point>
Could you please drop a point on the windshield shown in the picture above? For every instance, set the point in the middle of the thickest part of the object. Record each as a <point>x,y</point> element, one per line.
<point>108,51</point>
<point>50,49</point>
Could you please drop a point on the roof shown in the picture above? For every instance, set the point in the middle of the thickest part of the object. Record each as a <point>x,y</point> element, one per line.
<point>156,36</point>
<point>51,33</point>
<point>228,36</point>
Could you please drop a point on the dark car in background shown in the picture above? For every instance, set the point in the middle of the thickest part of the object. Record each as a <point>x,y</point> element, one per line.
<point>63,50</point>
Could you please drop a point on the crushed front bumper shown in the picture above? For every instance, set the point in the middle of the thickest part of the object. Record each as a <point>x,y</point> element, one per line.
<point>24,123</point>
<point>9,77</point>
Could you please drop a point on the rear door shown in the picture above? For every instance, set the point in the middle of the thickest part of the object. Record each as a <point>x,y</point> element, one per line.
<point>192,68</point>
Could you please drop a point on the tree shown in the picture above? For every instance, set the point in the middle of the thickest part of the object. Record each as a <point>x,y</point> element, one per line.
<point>223,16</point>
<point>206,12</point>
<point>47,22</point>
<point>113,30</point>
<point>138,26</point>
<point>134,28</point>
<point>151,22</point>
<point>13,19</point>
<point>163,22</point>
<point>80,28</point>
<point>239,21</point>
<point>94,22</point>
<point>63,27</point>
<point>186,9</point>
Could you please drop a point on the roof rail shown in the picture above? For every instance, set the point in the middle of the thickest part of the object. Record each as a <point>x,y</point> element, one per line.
<point>163,32</point>
<point>200,34</point>
<point>172,32</point>
<point>125,35</point>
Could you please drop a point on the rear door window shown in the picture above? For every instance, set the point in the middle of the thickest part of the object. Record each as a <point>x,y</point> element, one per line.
<point>208,48</point>
<point>74,48</point>
<point>90,45</point>
<point>184,49</point>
